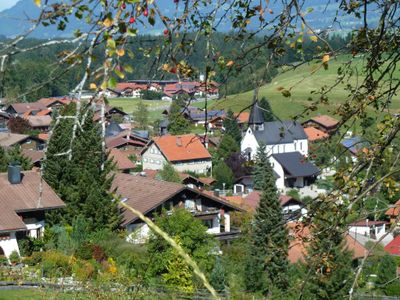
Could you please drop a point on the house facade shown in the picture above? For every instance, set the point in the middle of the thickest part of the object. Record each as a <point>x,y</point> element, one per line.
<point>184,152</point>
<point>369,228</point>
<point>151,196</point>
<point>22,209</point>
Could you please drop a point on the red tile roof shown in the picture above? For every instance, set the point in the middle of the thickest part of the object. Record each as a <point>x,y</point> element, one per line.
<point>364,223</point>
<point>121,158</point>
<point>50,101</point>
<point>393,247</point>
<point>181,147</point>
<point>326,121</point>
<point>253,199</point>
<point>243,117</point>
<point>314,134</point>
<point>43,136</point>
<point>394,211</point>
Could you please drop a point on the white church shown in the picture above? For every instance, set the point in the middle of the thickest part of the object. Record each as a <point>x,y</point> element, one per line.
<point>286,146</point>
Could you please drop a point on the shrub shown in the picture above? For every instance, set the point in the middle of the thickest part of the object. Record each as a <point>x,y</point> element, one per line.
<point>34,259</point>
<point>14,257</point>
<point>98,253</point>
<point>393,289</point>
<point>84,251</point>
<point>3,260</point>
<point>83,270</point>
<point>56,264</point>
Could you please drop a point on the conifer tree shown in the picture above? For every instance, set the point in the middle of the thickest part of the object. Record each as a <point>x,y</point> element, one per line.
<point>3,160</point>
<point>231,127</point>
<point>267,263</point>
<point>267,110</point>
<point>15,155</point>
<point>84,181</point>
<point>227,147</point>
<point>260,166</point>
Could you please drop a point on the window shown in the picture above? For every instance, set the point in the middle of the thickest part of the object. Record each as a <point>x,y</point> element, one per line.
<point>189,204</point>
<point>145,159</point>
<point>208,223</point>
<point>301,146</point>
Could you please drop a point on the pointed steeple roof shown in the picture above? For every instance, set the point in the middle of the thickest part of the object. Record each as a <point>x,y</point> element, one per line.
<point>256,114</point>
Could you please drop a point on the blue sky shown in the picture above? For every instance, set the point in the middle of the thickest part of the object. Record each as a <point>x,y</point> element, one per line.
<point>7,4</point>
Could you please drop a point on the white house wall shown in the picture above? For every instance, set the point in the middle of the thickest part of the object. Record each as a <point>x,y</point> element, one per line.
<point>280,182</point>
<point>197,166</point>
<point>152,159</point>
<point>9,244</point>
<point>249,141</point>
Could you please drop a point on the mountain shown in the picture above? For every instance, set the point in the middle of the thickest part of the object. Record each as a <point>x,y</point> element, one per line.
<point>17,19</point>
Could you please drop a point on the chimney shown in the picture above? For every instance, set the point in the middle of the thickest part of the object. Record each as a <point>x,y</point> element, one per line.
<point>14,173</point>
<point>216,192</point>
<point>179,141</point>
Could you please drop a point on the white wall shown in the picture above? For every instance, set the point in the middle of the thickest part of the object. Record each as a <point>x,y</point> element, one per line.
<point>280,182</point>
<point>33,227</point>
<point>364,230</point>
<point>9,244</point>
<point>152,159</point>
<point>249,141</point>
<point>197,166</point>
<point>138,233</point>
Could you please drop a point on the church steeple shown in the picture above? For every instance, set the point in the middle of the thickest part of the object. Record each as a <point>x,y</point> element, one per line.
<point>256,118</point>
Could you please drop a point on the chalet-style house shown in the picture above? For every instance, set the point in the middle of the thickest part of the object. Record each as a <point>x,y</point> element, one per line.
<point>19,109</point>
<point>22,209</point>
<point>324,123</point>
<point>8,140</point>
<point>123,139</point>
<point>314,134</point>
<point>4,118</point>
<point>372,229</point>
<point>122,161</point>
<point>41,123</point>
<point>151,196</point>
<point>300,235</point>
<point>286,146</point>
<point>183,152</point>
<point>393,212</point>
<point>110,113</point>
<point>55,102</point>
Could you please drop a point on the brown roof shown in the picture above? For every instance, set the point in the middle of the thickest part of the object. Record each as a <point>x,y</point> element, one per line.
<point>365,223</point>
<point>39,121</point>
<point>252,200</point>
<point>146,194</point>
<point>325,121</point>
<point>299,236</point>
<point>11,139</point>
<point>50,101</point>
<point>22,197</point>
<point>243,117</point>
<point>43,136</point>
<point>21,108</point>
<point>314,134</point>
<point>181,147</point>
<point>34,155</point>
<point>394,211</point>
<point>121,159</point>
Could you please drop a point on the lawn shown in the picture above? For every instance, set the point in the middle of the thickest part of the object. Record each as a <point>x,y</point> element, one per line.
<point>34,294</point>
<point>129,104</point>
<point>301,82</point>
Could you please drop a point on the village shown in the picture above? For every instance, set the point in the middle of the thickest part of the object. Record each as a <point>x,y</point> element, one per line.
<point>147,161</point>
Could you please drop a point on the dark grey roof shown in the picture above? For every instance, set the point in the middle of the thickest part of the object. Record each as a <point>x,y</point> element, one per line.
<point>295,164</point>
<point>280,132</point>
<point>256,114</point>
<point>113,129</point>
<point>144,134</point>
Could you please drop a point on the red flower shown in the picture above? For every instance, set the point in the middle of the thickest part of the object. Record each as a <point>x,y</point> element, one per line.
<point>146,12</point>
<point>132,20</point>
<point>123,6</point>
<point>166,31</point>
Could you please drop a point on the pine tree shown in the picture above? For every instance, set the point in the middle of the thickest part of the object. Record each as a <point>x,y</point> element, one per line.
<point>15,155</point>
<point>84,182</point>
<point>141,115</point>
<point>269,241</point>
<point>3,160</point>
<point>260,165</point>
<point>168,173</point>
<point>267,110</point>
<point>231,127</point>
<point>328,260</point>
<point>177,122</point>
<point>223,174</point>
<point>227,147</point>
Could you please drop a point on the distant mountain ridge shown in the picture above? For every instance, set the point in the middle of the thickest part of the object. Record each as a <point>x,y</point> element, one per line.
<point>17,19</point>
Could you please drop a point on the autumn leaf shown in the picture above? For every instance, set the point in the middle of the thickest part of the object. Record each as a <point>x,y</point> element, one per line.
<point>120,52</point>
<point>325,58</point>
<point>107,22</point>
<point>230,63</point>
<point>37,2</point>
<point>313,38</point>
<point>93,86</point>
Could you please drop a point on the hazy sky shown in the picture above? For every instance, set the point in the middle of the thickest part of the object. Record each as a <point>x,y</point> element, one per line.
<point>7,4</point>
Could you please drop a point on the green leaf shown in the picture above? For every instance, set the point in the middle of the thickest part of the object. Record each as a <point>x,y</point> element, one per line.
<point>112,82</point>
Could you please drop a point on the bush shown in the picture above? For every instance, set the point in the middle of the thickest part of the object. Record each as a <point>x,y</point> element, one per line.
<point>56,264</point>
<point>34,259</point>
<point>14,257</point>
<point>84,251</point>
<point>393,289</point>
<point>3,260</point>
<point>83,270</point>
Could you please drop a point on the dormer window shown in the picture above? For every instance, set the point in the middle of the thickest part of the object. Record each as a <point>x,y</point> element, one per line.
<point>259,127</point>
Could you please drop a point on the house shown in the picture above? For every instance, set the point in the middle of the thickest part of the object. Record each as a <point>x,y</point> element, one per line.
<point>393,212</point>
<point>110,113</point>
<point>393,248</point>
<point>123,139</point>
<point>41,123</point>
<point>314,134</point>
<point>324,123</point>
<point>55,102</point>
<point>293,170</point>
<point>8,140</point>
<point>292,208</point>
<point>18,109</point>
<point>355,145</point>
<point>22,207</point>
<point>4,117</point>
<point>372,229</point>
<point>121,160</point>
<point>36,156</point>
<point>277,136</point>
<point>150,196</point>
<point>184,152</point>
<point>300,235</point>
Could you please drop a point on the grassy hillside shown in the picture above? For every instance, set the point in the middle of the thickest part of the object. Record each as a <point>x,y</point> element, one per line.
<point>301,82</point>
